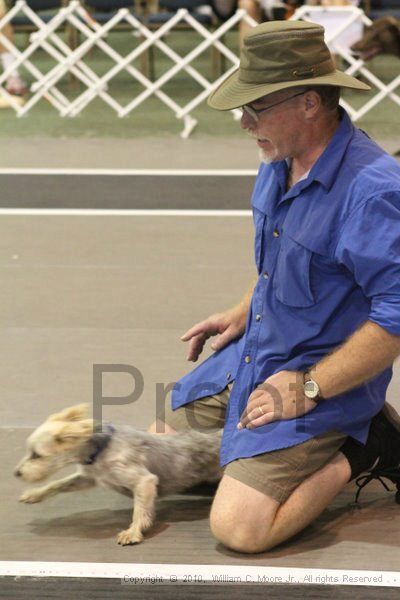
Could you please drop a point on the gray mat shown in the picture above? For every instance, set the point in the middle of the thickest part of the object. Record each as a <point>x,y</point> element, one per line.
<point>124,192</point>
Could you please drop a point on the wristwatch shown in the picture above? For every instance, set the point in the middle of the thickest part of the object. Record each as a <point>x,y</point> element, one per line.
<point>311,388</point>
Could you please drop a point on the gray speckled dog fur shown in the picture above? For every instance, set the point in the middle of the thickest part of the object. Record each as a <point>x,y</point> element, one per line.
<point>130,461</point>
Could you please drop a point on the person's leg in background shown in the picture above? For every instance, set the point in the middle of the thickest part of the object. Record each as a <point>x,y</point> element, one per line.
<point>253,9</point>
<point>265,10</point>
<point>15,86</point>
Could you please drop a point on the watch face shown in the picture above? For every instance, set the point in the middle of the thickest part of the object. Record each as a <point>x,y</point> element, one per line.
<point>311,389</point>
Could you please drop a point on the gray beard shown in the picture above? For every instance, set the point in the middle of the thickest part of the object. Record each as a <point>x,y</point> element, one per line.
<point>267,160</point>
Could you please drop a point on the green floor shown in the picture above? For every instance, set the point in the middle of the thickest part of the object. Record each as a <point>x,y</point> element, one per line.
<point>153,118</point>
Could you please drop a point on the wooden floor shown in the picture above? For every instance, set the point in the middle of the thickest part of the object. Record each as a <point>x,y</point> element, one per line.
<point>78,291</point>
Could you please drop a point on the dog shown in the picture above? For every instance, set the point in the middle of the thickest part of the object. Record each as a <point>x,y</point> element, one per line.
<point>130,461</point>
<point>382,37</point>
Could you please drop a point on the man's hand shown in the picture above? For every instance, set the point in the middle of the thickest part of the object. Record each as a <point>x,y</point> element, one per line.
<point>281,396</point>
<point>227,326</point>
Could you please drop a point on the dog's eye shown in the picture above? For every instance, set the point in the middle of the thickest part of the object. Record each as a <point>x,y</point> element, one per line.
<point>34,455</point>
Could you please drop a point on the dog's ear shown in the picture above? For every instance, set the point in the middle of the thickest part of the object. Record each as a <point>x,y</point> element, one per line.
<point>73,432</point>
<point>72,413</point>
<point>386,23</point>
<point>396,26</point>
<point>391,21</point>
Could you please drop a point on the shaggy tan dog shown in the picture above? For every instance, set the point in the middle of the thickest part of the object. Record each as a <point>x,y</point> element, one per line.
<point>130,461</point>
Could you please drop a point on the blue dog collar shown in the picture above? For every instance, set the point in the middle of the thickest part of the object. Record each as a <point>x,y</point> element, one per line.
<point>100,440</point>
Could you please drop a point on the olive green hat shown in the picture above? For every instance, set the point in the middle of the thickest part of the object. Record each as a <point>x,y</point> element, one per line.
<point>279,55</point>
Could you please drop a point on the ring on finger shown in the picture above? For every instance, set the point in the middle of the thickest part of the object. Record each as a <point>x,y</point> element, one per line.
<point>261,410</point>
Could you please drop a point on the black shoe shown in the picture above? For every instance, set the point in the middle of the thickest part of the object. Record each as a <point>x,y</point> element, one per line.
<point>392,473</point>
<point>380,457</point>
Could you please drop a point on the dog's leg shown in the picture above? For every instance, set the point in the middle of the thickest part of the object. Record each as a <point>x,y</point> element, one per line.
<point>145,493</point>
<point>73,483</point>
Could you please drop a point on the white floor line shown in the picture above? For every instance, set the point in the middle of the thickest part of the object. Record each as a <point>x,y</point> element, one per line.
<point>150,574</point>
<point>95,212</point>
<point>135,172</point>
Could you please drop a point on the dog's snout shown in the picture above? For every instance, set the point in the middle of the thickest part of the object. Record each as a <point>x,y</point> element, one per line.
<point>17,473</point>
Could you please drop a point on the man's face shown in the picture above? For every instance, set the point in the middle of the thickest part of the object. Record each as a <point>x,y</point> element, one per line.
<point>276,129</point>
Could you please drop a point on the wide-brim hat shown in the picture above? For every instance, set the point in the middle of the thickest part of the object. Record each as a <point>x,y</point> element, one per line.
<point>279,55</point>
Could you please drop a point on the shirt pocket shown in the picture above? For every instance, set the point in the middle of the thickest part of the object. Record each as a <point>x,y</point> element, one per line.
<point>292,279</point>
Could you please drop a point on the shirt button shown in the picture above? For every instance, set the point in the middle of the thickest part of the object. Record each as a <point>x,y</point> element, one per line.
<point>265,275</point>
<point>276,233</point>
<point>247,359</point>
<point>228,375</point>
<point>258,317</point>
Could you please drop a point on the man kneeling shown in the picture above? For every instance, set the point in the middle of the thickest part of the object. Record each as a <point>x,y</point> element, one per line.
<point>302,363</point>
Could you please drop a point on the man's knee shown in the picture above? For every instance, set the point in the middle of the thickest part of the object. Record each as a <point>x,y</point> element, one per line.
<point>239,535</point>
<point>241,517</point>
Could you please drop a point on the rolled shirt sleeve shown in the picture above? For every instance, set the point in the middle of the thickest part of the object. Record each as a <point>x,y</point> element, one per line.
<point>369,247</point>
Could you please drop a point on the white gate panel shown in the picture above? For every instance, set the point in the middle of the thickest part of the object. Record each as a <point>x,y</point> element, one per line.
<point>345,25</point>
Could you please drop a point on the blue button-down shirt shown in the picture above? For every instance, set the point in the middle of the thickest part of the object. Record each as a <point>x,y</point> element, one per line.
<point>328,258</point>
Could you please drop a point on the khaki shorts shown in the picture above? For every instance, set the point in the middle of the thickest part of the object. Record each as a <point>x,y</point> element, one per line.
<point>276,473</point>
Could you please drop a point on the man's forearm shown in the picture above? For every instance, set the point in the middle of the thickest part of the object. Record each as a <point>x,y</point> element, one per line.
<point>369,351</point>
<point>245,302</point>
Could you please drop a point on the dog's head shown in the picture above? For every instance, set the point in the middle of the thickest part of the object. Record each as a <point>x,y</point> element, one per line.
<point>382,37</point>
<point>56,443</point>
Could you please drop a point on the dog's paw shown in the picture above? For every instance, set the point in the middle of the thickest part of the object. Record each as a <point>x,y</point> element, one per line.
<point>127,537</point>
<point>31,496</point>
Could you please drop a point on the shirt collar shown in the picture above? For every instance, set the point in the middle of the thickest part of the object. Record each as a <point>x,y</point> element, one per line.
<point>325,169</point>
<point>289,164</point>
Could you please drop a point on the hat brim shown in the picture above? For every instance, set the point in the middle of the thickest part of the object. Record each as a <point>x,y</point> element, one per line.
<point>233,93</point>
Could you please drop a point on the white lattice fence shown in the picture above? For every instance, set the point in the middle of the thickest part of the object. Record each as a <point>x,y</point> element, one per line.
<point>93,34</point>
<point>47,39</point>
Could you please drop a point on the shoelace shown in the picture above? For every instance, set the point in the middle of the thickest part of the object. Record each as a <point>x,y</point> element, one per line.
<point>392,473</point>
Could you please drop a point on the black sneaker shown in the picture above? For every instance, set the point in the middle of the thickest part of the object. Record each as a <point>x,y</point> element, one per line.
<point>382,451</point>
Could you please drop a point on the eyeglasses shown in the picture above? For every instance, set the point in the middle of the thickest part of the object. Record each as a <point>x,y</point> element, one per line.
<point>255,112</point>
